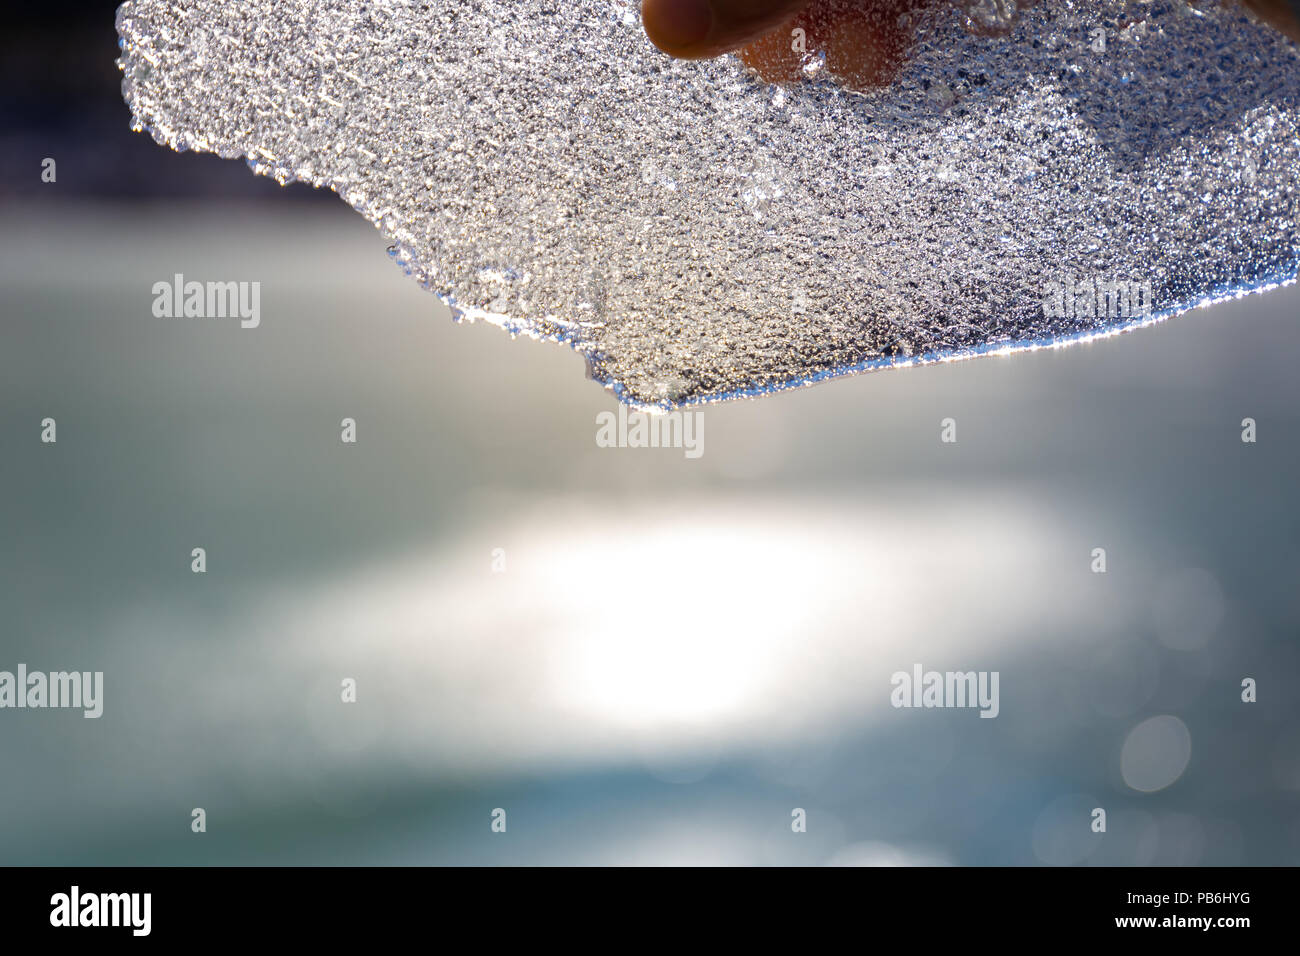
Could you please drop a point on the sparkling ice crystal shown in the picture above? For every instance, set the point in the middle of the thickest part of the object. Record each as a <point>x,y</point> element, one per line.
<point>698,233</point>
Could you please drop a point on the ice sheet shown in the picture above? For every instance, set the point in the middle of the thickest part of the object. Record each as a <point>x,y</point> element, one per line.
<point>700,234</point>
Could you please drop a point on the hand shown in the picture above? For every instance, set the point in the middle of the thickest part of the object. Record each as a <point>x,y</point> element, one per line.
<point>865,41</point>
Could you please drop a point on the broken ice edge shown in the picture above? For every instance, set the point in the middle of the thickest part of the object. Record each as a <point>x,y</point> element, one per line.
<point>541,329</point>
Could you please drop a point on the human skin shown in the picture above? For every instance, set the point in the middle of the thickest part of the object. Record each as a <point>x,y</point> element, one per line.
<point>865,41</point>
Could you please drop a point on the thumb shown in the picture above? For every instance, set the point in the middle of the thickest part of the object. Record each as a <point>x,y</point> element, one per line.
<point>701,28</point>
<point>1283,14</point>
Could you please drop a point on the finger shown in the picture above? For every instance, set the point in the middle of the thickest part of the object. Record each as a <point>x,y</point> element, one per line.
<point>1282,14</point>
<point>864,43</point>
<point>702,28</point>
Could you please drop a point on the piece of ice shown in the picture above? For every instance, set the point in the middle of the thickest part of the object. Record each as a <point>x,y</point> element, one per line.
<point>700,234</point>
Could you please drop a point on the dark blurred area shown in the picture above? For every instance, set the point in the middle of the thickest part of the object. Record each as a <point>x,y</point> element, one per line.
<point>60,96</point>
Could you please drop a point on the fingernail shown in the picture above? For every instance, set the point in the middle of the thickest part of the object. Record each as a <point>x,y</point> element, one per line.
<point>676,26</point>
